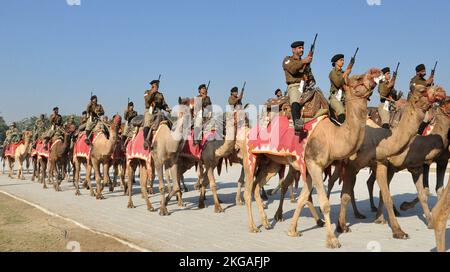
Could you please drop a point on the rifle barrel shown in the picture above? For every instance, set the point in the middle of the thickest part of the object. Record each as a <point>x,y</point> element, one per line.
<point>357,49</point>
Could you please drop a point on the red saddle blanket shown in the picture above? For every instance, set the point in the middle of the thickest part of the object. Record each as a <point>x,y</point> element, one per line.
<point>40,148</point>
<point>195,150</point>
<point>280,140</point>
<point>10,150</point>
<point>119,150</point>
<point>135,149</point>
<point>81,149</point>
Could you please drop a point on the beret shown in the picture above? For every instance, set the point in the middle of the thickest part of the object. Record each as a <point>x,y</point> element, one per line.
<point>154,82</point>
<point>297,44</point>
<point>201,87</point>
<point>234,90</point>
<point>386,70</point>
<point>84,112</point>
<point>420,67</point>
<point>55,108</point>
<point>131,104</point>
<point>93,97</point>
<point>278,90</point>
<point>337,57</point>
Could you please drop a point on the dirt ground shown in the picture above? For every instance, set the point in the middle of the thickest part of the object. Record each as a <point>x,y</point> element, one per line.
<point>24,228</point>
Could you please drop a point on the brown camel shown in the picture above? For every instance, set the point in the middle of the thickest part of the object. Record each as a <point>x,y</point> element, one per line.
<point>101,152</point>
<point>166,147</point>
<point>440,216</point>
<point>59,155</point>
<point>419,150</point>
<point>379,144</point>
<point>19,155</point>
<point>325,145</point>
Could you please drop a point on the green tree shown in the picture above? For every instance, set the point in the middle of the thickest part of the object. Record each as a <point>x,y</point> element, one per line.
<point>3,129</point>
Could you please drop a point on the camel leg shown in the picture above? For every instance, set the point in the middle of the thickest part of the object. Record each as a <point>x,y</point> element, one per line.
<point>77,177</point>
<point>44,172</point>
<point>370,183</point>
<point>11,165</point>
<point>19,168</point>
<point>98,180</point>
<point>212,184</point>
<point>440,216</point>
<point>129,188</point>
<point>260,204</point>
<point>332,179</point>
<point>249,191</point>
<point>382,179</point>
<point>422,195</point>
<point>347,188</point>
<point>440,175</point>
<point>319,222</point>
<point>287,181</point>
<point>239,188</point>
<point>143,182</point>
<point>356,212</point>
<point>202,188</point>
<point>159,170</point>
<point>304,194</point>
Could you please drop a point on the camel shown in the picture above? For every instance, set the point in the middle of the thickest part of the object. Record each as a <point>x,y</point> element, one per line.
<point>20,154</point>
<point>58,158</point>
<point>379,144</point>
<point>322,149</point>
<point>166,147</point>
<point>101,153</point>
<point>440,216</point>
<point>419,150</point>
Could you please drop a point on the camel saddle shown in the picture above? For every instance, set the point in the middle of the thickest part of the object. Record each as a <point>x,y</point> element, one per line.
<point>10,150</point>
<point>314,104</point>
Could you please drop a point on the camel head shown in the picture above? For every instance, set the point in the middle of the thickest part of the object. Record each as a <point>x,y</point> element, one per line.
<point>424,97</point>
<point>26,135</point>
<point>117,120</point>
<point>362,85</point>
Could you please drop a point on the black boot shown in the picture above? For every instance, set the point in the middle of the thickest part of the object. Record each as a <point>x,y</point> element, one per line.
<point>298,122</point>
<point>146,142</point>
<point>385,125</point>
<point>341,118</point>
<point>88,136</point>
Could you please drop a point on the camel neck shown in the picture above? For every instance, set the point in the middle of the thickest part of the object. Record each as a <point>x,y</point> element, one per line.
<point>352,131</point>
<point>441,127</point>
<point>402,134</point>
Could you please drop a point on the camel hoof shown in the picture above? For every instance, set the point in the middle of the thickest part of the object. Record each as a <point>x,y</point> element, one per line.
<point>201,205</point>
<point>111,189</point>
<point>151,209</point>
<point>333,243</point>
<point>44,187</point>
<point>100,197</point>
<point>265,206</point>
<point>360,216</point>
<point>267,226</point>
<point>239,203</point>
<point>343,229</point>
<point>380,220</point>
<point>294,233</point>
<point>400,235</point>
<point>278,216</point>
<point>320,223</point>
<point>218,209</point>
<point>131,205</point>
<point>254,230</point>
<point>77,193</point>
<point>293,201</point>
<point>163,212</point>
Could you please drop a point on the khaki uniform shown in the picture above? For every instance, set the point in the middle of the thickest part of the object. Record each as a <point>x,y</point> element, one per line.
<point>154,103</point>
<point>39,129</point>
<point>384,88</point>
<point>55,129</point>
<point>12,136</point>
<point>294,71</point>
<point>337,83</point>
<point>128,116</point>
<point>416,81</point>
<point>234,101</point>
<point>95,111</point>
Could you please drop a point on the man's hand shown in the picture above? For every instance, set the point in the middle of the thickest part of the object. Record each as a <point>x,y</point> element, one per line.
<point>307,60</point>
<point>430,80</point>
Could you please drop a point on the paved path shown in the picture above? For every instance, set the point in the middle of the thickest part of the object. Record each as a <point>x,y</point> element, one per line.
<point>191,229</point>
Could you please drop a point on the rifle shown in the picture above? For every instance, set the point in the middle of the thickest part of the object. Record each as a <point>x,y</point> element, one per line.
<point>434,69</point>
<point>243,87</point>
<point>396,71</point>
<point>207,87</point>
<point>310,54</point>
<point>352,60</point>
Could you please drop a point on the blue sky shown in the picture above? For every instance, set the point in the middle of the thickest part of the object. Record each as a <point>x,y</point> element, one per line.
<point>53,54</point>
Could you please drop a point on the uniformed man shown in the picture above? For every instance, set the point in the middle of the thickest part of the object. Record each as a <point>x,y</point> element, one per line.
<point>56,122</point>
<point>205,100</point>
<point>39,128</point>
<point>337,78</point>
<point>129,114</point>
<point>235,100</point>
<point>154,104</point>
<point>13,135</point>
<point>278,93</point>
<point>94,112</point>
<point>70,123</point>
<point>202,112</point>
<point>299,78</point>
<point>419,78</point>
<point>387,95</point>
<point>84,118</point>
